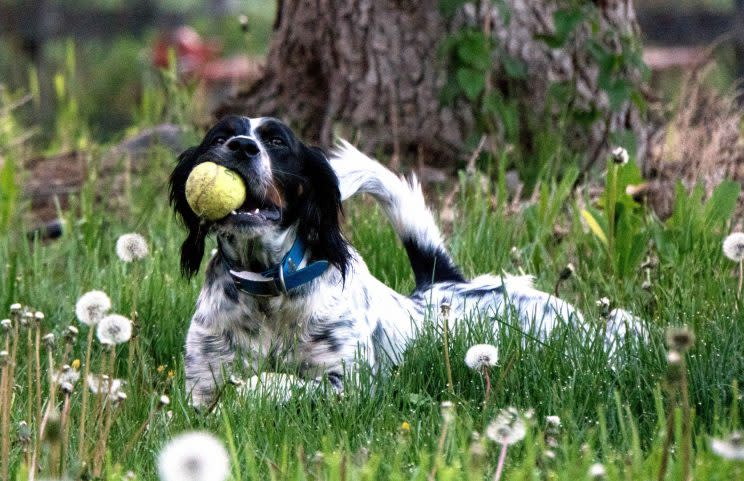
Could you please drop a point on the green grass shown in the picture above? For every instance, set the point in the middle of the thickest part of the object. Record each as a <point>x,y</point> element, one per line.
<point>612,413</point>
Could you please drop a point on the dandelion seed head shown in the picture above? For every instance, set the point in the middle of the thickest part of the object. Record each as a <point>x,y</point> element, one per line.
<point>597,471</point>
<point>66,387</point>
<point>104,385</point>
<point>733,246</point>
<point>620,156</point>
<point>131,247</point>
<point>15,308</point>
<point>481,356</point>
<point>567,272</point>
<point>48,340</point>
<point>164,400</point>
<point>71,332</point>
<point>554,421</point>
<point>674,358</point>
<point>194,456</point>
<point>92,307</point>
<point>6,324</point>
<point>67,375</point>
<point>38,316</point>
<point>24,433</point>
<point>114,329</point>
<point>731,448</point>
<point>679,338</point>
<point>507,428</point>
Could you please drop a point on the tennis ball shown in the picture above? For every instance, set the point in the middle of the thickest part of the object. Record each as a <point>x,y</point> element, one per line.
<point>214,191</point>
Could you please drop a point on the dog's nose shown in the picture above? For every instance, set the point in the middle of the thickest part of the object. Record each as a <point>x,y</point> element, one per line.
<point>243,145</point>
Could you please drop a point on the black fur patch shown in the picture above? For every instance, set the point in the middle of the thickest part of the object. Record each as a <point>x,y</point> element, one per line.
<point>431,265</point>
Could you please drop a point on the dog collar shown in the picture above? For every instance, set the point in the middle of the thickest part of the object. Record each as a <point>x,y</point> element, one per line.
<point>281,278</point>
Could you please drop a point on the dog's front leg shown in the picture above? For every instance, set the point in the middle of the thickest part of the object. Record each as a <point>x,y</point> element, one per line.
<point>209,352</point>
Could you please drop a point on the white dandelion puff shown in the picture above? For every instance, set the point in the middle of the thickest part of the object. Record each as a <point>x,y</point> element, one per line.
<point>114,329</point>
<point>620,156</point>
<point>92,307</point>
<point>481,356</point>
<point>194,456</point>
<point>67,375</point>
<point>507,428</point>
<point>731,448</point>
<point>553,421</point>
<point>104,385</point>
<point>597,471</point>
<point>131,247</point>
<point>733,246</point>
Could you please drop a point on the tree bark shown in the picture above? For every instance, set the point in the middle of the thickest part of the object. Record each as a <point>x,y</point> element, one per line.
<point>373,70</point>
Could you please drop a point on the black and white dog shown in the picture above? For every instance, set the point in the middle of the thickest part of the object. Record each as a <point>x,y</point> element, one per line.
<point>287,291</point>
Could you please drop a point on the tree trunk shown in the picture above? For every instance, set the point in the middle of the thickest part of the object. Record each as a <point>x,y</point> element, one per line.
<point>374,70</point>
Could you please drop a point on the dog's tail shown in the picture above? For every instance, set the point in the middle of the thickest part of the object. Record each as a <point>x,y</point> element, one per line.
<point>403,203</point>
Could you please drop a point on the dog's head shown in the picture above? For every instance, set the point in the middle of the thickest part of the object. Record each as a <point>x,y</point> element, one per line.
<point>291,188</point>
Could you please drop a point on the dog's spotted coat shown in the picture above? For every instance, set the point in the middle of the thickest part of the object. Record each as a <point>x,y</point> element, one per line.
<point>346,316</point>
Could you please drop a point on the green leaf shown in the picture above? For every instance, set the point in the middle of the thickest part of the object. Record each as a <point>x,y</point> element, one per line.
<point>722,203</point>
<point>450,7</point>
<point>566,20</point>
<point>471,82</point>
<point>594,226</point>
<point>513,67</point>
<point>474,49</point>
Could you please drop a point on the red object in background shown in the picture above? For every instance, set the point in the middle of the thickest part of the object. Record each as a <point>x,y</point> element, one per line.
<point>191,51</point>
<point>200,59</point>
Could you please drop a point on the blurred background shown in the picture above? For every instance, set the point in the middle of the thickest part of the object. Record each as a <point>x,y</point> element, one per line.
<point>557,86</point>
<point>116,46</point>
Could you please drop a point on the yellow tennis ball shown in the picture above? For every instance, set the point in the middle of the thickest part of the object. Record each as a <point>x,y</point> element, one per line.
<point>214,191</point>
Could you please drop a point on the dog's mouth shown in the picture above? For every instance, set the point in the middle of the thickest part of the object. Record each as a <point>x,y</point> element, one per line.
<point>255,211</point>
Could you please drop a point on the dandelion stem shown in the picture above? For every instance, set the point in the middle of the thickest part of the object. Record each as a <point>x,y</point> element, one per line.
<point>106,415</point>
<point>440,450</point>
<point>448,366</point>
<point>30,374</point>
<point>686,424</point>
<point>500,465</point>
<point>37,352</point>
<point>488,386</point>
<point>84,405</point>
<point>667,445</point>
<point>6,387</point>
<point>65,417</point>
<point>741,277</point>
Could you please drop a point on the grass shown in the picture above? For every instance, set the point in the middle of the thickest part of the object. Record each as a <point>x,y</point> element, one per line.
<point>391,427</point>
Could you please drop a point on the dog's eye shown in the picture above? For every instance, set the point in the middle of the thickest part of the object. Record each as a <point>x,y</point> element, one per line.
<point>218,141</point>
<point>276,141</point>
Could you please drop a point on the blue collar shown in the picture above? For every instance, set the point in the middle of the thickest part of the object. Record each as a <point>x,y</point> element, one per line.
<point>281,278</point>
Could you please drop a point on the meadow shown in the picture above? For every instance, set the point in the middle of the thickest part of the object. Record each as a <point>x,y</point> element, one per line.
<point>644,413</point>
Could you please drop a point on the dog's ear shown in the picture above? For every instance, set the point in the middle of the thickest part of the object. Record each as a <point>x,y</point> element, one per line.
<point>320,225</point>
<point>192,249</point>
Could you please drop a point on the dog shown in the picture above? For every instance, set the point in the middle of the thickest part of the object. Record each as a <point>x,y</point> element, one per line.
<point>287,291</point>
